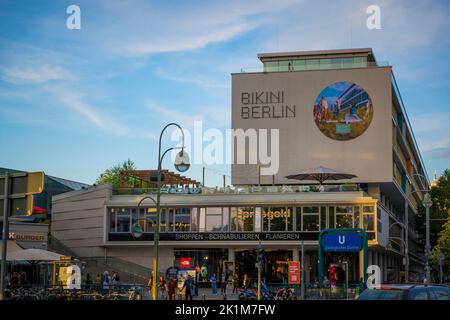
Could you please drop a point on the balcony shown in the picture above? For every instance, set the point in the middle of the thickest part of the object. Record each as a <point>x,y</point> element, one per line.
<point>180,190</point>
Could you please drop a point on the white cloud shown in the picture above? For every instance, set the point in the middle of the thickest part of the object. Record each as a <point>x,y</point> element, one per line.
<point>197,79</point>
<point>34,74</point>
<point>430,122</point>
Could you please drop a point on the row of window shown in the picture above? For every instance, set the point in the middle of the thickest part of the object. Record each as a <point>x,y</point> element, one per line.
<point>315,64</point>
<point>244,219</point>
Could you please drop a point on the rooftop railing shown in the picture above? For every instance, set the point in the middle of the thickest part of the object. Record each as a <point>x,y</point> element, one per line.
<point>180,190</point>
<point>328,66</point>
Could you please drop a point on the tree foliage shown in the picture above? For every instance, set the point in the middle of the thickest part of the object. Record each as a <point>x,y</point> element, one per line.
<point>439,211</point>
<point>113,174</point>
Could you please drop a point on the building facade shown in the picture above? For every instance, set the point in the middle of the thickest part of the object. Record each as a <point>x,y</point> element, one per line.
<point>339,109</point>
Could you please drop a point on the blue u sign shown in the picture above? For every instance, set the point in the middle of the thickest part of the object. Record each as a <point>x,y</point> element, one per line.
<point>342,242</point>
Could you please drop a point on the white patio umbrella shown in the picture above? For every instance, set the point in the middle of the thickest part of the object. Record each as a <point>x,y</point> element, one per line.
<point>33,255</point>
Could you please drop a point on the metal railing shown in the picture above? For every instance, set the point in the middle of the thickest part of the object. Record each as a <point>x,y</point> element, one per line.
<point>241,190</point>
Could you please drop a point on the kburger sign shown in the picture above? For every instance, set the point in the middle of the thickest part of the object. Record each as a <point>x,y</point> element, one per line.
<point>265,104</point>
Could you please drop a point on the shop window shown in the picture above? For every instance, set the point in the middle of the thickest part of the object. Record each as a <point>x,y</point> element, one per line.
<point>357,217</point>
<point>310,219</point>
<point>369,218</point>
<point>163,220</point>
<point>242,219</point>
<point>123,220</point>
<point>214,217</point>
<point>323,217</point>
<point>344,217</point>
<point>194,219</point>
<point>138,217</point>
<point>182,220</point>
<point>331,217</point>
<point>276,218</point>
<point>298,219</point>
<point>112,220</point>
<point>150,220</point>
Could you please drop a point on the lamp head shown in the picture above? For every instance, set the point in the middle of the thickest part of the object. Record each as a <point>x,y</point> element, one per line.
<point>182,163</point>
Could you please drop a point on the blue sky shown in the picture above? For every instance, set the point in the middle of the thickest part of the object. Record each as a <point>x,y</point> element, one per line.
<point>74,102</point>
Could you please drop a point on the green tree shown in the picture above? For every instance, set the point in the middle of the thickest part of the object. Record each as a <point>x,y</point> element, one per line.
<point>440,194</point>
<point>443,245</point>
<point>113,174</point>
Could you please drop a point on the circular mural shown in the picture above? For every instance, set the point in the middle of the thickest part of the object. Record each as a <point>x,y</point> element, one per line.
<point>343,111</point>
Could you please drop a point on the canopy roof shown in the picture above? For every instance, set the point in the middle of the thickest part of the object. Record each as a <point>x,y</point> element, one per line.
<point>33,255</point>
<point>321,174</point>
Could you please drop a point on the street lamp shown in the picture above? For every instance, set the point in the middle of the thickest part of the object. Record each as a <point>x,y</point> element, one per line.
<point>182,164</point>
<point>427,203</point>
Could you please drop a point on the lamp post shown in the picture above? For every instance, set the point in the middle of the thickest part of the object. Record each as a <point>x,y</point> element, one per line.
<point>182,164</point>
<point>427,203</point>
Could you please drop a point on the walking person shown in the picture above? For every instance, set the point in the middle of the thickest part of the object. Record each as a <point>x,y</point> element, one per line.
<point>106,280</point>
<point>189,288</point>
<point>171,286</point>
<point>115,279</point>
<point>150,285</point>
<point>213,280</point>
<point>223,285</point>
<point>162,288</point>
<point>235,283</point>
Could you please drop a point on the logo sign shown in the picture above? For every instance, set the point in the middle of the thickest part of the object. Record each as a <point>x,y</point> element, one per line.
<point>294,272</point>
<point>344,242</point>
<point>185,263</point>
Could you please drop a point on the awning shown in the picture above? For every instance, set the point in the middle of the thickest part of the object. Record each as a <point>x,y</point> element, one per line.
<point>33,255</point>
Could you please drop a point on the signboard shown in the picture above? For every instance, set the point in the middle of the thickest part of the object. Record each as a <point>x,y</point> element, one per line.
<point>219,236</point>
<point>294,272</point>
<point>343,242</point>
<point>185,263</point>
<point>172,272</point>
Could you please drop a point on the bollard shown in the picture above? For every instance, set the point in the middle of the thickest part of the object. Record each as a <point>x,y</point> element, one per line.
<point>204,297</point>
<point>225,296</point>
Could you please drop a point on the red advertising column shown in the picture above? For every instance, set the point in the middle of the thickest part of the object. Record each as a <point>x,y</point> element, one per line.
<point>294,272</point>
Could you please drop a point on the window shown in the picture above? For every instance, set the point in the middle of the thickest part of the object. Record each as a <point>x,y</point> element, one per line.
<point>112,221</point>
<point>312,64</point>
<point>331,217</point>
<point>298,219</point>
<point>344,217</point>
<point>138,217</point>
<point>336,63</point>
<point>123,220</point>
<point>285,66</point>
<point>310,219</point>
<point>347,63</point>
<point>182,220</point>
<point>323,217</point>
<point>277,219</point>
<point>369,218</point>
<point>150,219</point>
<point>242,219</point>
<point>325,64</point>
<point>299,65</point>
<point>271,66</point>
<point>360,62</point>
<point>163,220</point>
<point>214,218</point>
<point>194,219</point>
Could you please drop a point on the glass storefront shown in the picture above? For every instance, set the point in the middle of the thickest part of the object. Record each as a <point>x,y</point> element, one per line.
<point>208,261</point>
<point>246,219</point>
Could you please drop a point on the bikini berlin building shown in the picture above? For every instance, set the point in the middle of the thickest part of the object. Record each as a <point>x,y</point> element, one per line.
<point>339,109</point>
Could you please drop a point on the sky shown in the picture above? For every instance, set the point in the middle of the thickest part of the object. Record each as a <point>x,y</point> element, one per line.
<point>75,102</point>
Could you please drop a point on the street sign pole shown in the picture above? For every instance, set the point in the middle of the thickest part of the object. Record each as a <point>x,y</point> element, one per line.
<point>4,237</point>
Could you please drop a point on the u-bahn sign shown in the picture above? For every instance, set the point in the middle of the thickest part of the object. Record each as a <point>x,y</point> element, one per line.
<point>342,242</point>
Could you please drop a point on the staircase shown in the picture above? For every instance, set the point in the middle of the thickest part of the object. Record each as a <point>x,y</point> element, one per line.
<point>129,272</point>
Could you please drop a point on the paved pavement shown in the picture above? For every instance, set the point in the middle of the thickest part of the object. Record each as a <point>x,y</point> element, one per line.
<point>206,294</point>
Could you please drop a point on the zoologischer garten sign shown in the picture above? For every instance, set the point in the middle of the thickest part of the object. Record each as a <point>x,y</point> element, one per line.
<point>342,242</point>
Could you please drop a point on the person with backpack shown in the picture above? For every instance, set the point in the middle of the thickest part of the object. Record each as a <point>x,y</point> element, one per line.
<point>189,287</point>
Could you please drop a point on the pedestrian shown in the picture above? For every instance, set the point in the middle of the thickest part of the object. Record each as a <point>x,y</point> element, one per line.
<point>150,285</point>
<point>171,286</point>
<point>213,280</point>
<point>106,280</point>
<point>98,281</point>
<point>223,285</point>
<point>189,288</point>
<point>235,283</point>
<point>162,288</point>
<point>245,281</point>
<point>115,279</point>
<point>88,281</point>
